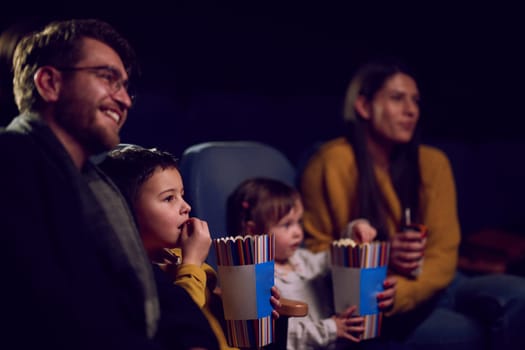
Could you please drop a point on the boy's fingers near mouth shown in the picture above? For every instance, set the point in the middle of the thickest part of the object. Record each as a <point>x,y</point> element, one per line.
<point>189,223</point>
<point>185,228</point>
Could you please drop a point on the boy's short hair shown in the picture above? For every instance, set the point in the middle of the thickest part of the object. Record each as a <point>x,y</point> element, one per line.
<point>59,44</point>
<point>129,166</point>
<point>264,201</point>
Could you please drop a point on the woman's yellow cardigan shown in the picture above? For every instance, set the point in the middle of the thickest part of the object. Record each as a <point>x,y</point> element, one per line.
<point>329,189</point>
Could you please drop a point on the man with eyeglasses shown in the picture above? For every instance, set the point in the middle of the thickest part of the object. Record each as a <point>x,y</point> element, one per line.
<point>75,275</point>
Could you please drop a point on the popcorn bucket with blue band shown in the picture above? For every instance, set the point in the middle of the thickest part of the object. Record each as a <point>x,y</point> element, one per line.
<point>358,272</point>
<point>245,267</point>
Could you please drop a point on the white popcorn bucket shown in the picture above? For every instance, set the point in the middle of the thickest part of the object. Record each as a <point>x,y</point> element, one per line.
<point>245,267</point>
<point>358,273</point>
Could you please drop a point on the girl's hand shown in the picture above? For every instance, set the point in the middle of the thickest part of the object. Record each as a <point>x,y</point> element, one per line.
<point>348,326</point>
<point>195,241</point>
<point>361,231</point>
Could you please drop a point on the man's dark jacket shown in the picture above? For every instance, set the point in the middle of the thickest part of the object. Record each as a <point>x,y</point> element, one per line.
<point>64,285</point>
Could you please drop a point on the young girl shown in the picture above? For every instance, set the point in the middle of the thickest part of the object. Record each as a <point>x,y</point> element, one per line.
<point>177,243</point>
<point>261,205</point>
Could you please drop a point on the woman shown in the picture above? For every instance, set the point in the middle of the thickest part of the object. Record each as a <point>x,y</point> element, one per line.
<point>380,172</point>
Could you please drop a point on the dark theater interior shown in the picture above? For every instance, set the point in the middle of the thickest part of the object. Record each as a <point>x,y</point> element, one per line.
<point>276,72</point>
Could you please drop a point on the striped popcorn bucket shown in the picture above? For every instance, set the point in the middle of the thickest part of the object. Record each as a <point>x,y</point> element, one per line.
<point>358,272</point>
<point>245,266</point>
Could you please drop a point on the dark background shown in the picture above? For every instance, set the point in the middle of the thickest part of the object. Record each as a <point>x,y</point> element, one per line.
<point>277,72</point>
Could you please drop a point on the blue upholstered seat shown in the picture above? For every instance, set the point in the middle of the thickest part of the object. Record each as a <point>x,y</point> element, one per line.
<point>212,170</point>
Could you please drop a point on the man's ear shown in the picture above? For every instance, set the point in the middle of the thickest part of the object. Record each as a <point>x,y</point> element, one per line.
<point>362,107</point>
<point>48,82</point>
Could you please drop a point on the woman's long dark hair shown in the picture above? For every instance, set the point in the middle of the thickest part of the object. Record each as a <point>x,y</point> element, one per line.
<point>404,161</point>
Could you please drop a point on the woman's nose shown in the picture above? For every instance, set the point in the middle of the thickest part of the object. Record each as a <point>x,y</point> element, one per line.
<point>411,108</point>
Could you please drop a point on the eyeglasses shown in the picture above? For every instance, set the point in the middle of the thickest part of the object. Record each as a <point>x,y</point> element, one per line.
<point>111,76</point>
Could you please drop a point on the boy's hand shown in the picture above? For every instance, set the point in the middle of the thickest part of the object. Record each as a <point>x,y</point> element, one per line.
<point>274,300</point>
<point>195,241</point>
<point>348,326</point>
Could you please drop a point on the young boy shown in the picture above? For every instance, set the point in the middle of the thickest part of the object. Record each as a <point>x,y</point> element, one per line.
<point>175,242</point>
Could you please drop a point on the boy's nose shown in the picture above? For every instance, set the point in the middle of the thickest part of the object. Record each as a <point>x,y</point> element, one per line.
<point>186,208</point>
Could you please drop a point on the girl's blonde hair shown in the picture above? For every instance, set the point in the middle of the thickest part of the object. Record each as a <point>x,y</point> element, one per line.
<point>263,201</point>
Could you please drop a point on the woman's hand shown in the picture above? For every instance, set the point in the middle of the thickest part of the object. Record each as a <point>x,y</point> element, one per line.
<point>195,241</point>
<point>406,251</point>
<point>385,299</point>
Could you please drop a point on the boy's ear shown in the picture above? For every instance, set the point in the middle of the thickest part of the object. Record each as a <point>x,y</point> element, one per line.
<point>249,227</point>
<point>48,82</point>
<point>362,107</point>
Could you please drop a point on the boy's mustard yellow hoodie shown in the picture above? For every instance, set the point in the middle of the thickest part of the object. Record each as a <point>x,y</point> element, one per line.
<point>200,282</point>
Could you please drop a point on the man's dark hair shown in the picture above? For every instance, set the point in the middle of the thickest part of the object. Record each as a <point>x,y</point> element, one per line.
<point>59,44</point>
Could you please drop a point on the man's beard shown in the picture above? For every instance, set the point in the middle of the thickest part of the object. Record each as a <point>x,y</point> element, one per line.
<point>79,120</point>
